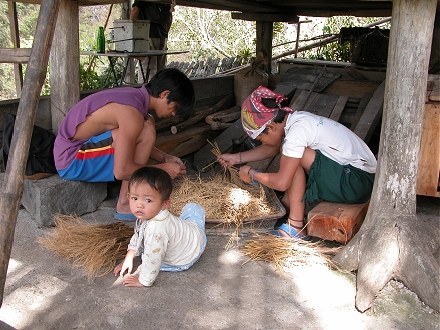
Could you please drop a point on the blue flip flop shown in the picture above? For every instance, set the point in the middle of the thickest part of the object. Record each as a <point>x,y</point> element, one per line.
<point>290,231</point>
<point>124,216</point>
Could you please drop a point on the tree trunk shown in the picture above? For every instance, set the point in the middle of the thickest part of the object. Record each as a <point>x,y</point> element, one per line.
<point>392,243</point>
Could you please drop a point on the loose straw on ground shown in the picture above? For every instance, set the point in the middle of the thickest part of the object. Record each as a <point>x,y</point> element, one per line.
<point>94,248</point>
<point>285,252</point>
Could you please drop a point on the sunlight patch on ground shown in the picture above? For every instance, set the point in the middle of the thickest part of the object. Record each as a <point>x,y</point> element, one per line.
<point>239,197</point>
<point>328,294</point>
<point>13,265</point>
<point>230,257</point>
<point>19,312</point>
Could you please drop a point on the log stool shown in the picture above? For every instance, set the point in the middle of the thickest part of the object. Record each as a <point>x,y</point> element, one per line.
<point>335,221</point>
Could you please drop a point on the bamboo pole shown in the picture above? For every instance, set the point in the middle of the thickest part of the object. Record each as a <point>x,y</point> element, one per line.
<point>12,189</point>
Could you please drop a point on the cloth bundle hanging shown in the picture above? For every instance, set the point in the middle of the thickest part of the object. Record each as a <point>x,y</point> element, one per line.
<point>246,80</point>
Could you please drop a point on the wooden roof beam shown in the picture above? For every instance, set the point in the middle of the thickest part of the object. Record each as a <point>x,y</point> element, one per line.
<point>265,17</point>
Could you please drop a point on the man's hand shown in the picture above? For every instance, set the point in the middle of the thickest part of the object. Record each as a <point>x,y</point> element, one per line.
<point>173,169</point>
<point>173,159</point>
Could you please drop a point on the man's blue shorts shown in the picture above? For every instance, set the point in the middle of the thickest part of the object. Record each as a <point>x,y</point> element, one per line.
<point>94,161</point>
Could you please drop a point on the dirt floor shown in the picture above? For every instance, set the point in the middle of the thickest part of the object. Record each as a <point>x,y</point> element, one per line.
<point>224,290</point>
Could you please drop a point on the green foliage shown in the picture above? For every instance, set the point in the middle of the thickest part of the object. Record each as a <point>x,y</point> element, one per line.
<point>5,40</point>
<point>7,86</point>
<point>210,33</point>
<point>89,78</point>
<point>335,51</point>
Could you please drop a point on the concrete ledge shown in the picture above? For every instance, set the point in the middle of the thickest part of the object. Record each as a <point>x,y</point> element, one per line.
<point>52,195</point>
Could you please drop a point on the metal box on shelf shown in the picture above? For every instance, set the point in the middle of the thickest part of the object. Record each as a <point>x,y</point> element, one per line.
<point>131,36</point>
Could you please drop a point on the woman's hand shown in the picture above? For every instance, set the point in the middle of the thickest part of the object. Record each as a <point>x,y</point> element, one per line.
<point>227,160</point>
<point>244,174</point>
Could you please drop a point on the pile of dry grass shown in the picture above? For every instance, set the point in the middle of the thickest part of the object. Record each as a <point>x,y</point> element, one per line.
<point>287,252</point>
<point>94,248</point>
<point>224,202</point>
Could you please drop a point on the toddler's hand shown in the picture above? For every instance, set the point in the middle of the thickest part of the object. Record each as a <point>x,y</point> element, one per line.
<point>117,269</point>
<point>127,265</point>
<point>132,281</point>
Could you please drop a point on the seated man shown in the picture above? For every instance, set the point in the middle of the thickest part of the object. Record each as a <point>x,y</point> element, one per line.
<point>110,134</point>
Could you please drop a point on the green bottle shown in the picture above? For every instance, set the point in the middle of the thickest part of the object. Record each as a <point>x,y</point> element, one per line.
<point>100,40</point>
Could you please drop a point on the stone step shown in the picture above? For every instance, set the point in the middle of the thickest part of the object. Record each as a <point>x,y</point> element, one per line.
<point>49,196</point>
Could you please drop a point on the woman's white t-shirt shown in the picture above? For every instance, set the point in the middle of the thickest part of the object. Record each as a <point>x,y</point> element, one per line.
<point>334,140</point>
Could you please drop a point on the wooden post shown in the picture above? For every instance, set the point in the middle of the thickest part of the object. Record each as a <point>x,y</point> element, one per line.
<point>12,189</point>
<point>264,41</point>
<point>13,24</point>
<point>64,63</point>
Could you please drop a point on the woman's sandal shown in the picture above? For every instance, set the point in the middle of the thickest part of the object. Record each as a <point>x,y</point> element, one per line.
<point>289,231</point>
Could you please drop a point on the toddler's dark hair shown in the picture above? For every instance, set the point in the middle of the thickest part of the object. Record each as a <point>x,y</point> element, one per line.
<point>156,178</point>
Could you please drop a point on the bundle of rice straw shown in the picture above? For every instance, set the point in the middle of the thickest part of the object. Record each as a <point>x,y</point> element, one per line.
<point>221,199</point>
<point>94,248</point>
<point>233,172</point>
<point>284,252</point>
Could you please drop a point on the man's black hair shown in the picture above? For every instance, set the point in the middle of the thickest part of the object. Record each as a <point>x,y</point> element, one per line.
<point>156,178</point>
<point>180,87</point>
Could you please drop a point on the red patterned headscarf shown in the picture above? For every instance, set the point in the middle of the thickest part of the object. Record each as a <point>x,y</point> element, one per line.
<point>255,116</point>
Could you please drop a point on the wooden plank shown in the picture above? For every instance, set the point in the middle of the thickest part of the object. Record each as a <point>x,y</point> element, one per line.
<point>224,116</point>
<point>433,88</point>
<point>339,107</point>
<point>299,99</point>
<point>228,100</point>
<point>309,98</point>
<point>193,143</point>
<point>429,157</point>
<point>352,88</point>
<point>310,78</point>
<point>266,17</point>
<point>322,104</point>
<point>371,115</point>
<point>274,164</point>
<point>204,156</point>
<point>14,55</point>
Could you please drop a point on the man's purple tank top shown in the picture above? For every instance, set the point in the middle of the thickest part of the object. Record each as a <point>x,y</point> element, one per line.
<point>65,149</point>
